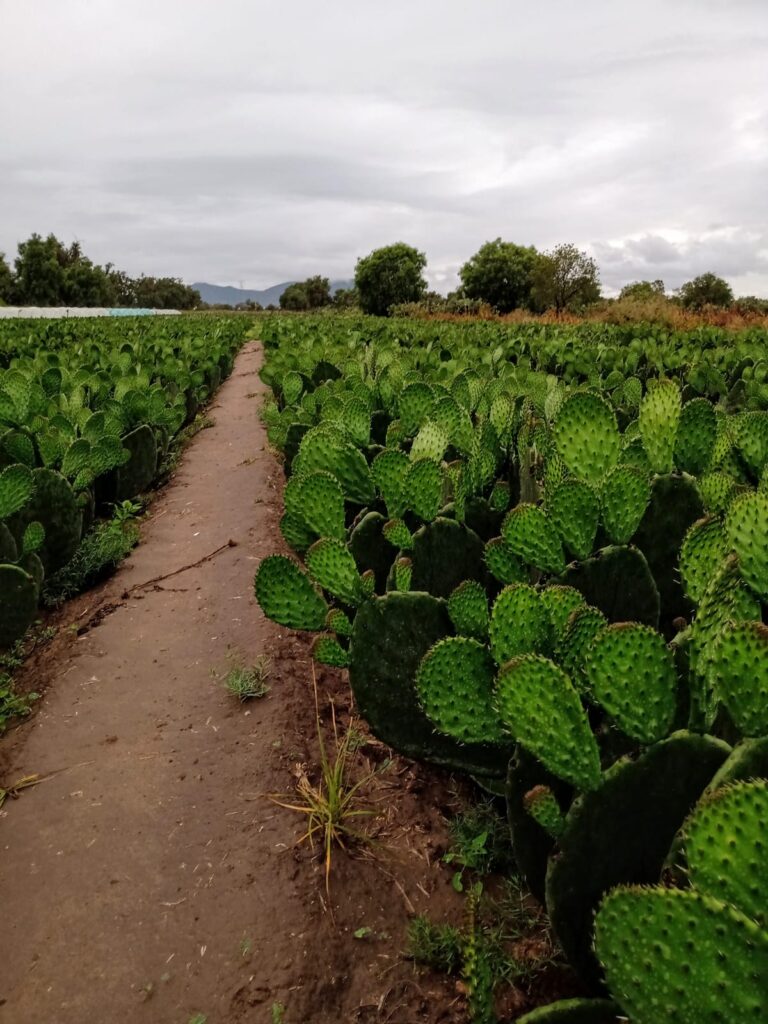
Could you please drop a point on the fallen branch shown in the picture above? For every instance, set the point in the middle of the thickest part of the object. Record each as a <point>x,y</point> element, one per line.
<point>192,565</point>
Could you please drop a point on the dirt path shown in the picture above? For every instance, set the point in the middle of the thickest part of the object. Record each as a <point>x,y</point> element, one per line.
<point>152,879</point>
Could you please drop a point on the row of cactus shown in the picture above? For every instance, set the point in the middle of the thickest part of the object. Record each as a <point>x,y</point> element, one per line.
<point>557,588</point>
<point>87,411</point>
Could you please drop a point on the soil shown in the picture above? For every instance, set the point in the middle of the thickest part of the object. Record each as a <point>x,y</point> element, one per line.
<point>150,875</point>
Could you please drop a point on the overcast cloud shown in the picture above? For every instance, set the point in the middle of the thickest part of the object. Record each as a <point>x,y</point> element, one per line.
<point>237,141</point>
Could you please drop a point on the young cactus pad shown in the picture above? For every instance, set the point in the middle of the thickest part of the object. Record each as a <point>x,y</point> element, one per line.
<point>631,673</point>
<point>624,498</point>
<point>659,417</point>
<point>287,596</point>
<point>739,671</point>
<point>575,511</point>
<point>541,708</point>
<point>455,686</point>
<point>16,487</point>
<point>532,537</point>
<point>702,554</point>
<point>725,847</point>
<point>681,957</point>
<point>586,436</point>
<point>503,565</point>
<point>520,623</point>
<point>332,565</point>
<point>468,608</point>
<point>747,526</point>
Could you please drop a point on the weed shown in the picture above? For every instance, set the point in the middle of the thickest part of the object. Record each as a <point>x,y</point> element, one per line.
<point>246,947</point>
<point>438,946</point>
<point>480,842</point>
<point>13,704</point>
<point>278,1013</point>
<point>126,510</point>
<point>100,552</point>
<point>248,682</point>
<point>198,1018</point>
<point>331,805</point>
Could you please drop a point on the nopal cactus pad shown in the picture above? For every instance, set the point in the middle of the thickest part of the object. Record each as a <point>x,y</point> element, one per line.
<point>631,673</point>
<point>725,847</point>
<point>541,803</point>
<point>574,509</point>
<point>455,686</point>
<point>561,602</point>
<point>541,708</point>
<point>468,608</point>
<point>332,565</point>
<point>326,650</point>
<point>520,623</point>
<point>739,673</point>
<point>747,527</point>
<point>625,495</point>
<point>531,535</point>
<point>659,418</point>
<point>16,487</point>
<point>18,603</point>
<point>586,436</point>
<point>683,957</point>
<point>503,565</point>
<point>703,551</point>
<point>286,595</point>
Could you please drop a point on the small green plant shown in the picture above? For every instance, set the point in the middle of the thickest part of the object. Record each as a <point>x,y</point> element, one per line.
<point>125,511</point>
<point>13,704</point>
<point>99,553</point>
<point>332,804</point>
<point>278,1013</point>
<point>248,682</point>
<point>198,1018</point>
<point>480,842</point>
<point>437,946</point>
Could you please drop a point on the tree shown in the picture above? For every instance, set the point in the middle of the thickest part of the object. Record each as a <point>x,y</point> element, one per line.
<point>500,274</point>
<point>346,298</point>
<point>318,291</point>
<point>643,290</point>
<point>40,271</point>
<point>295,297</point>
<point>6,281</point>
<point>564,278</point>
<point>165,293</point>
<point>390,276</point>
<point>706,290</point>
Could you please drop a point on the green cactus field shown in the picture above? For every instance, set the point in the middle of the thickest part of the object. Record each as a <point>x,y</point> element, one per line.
<point>528,563</point>
<point>548,546</point>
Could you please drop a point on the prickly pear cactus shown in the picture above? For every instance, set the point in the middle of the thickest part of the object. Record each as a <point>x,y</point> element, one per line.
<point>136,475</point>
<point>326,650</point>
<point>747,528</point>
<point>389,470</point>
<point>624,497</point>
<point>574,509</point>
<point>54,505</point>
<point>695,439</point>
<point>631,673</point>
<point>678,955</point>
<point>317,501</point>
<point>575,1011</point>
<point>533,538</point>
<point>703,551</point>
<point>398,534</point>
<point>621,832</point>
<point>502,564</point>
<point>286,595</point>
<point>586,436</point>
<point>520,624</point>
<point>444,554</point>
<point>18,603</point>
<point>541,803</point>
<point>583,625</point>
<point>619,583</point>
<point>390,637</point>
<point>423,488</point>
<point>326,448</point>
<point>468,608</point>
<point>454,683</point>
<point>16,488</point>
<point>739,674</point>
<point>541,708</point>
<point>659,418</point>
<point>560,602</point>
<point>332,565</point>
<point>725,847</point>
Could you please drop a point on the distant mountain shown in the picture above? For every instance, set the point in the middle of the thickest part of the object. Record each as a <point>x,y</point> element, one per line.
<point>215,294</point>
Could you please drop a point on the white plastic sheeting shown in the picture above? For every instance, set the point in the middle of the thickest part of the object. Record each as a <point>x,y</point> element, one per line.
<point>56,312</point>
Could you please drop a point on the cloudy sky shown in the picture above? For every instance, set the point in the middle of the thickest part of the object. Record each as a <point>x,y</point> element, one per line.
<point>238,141</point>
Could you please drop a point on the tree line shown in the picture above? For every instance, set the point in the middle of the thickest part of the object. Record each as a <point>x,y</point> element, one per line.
<point>46,272</point>
<point>506,277</point>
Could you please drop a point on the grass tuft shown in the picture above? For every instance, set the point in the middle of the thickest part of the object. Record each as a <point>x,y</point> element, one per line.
<point>249,682</point>
<point>100,552</point>
<point>437,946</point>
